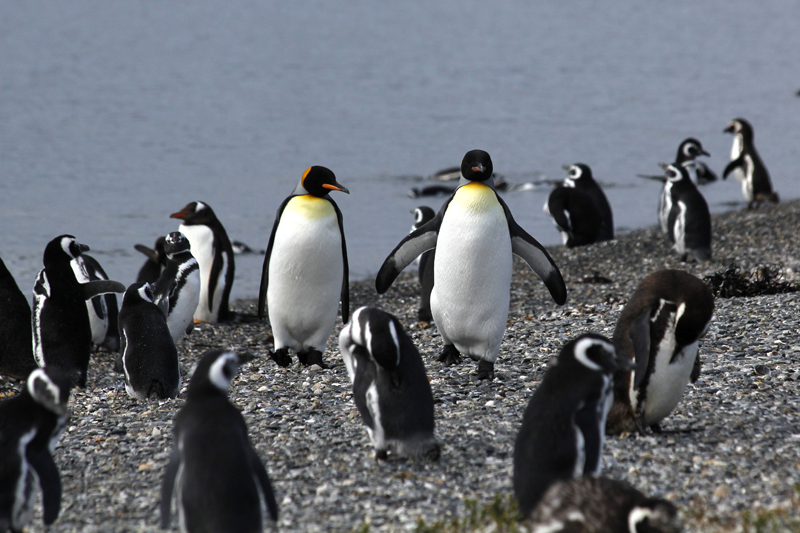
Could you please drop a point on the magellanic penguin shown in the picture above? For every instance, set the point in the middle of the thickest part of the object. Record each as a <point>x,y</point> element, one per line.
<point>689,221</point>
<point>62,334</point>
<point>103,310</point>
<point>16,342</point>
<point>31,424</point>
<point>580,209</point>
<point>390,386</point>
<point>214,253</point>
<point>425,261</point>
<point>148,353</point>
<point>214,474</point>
<point>659,331</point>
<point>601,505</point>
<point>561,435</point>
<point>305,272</point>
<point>474,236</point>
<point>155,263</point>
<point>746,164</point>
<point>178,288</point>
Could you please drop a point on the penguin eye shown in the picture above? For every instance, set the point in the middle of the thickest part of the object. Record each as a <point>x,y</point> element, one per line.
<point>574,173</point>
<point>672,174</point>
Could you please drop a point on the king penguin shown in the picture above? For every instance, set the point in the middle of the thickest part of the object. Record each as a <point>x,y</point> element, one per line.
<point>148,353</point>
<point>474,236</point>
<point>16,342</point>
<point>689,221</point>
<point>746,164</point>
<point>214,474</point>
<point>580,209</point>
<point>31,424</point>
<point>103,310</point>
<point>659,332</point>
<point>305,272</point>
<point>425,261</point>
<point>62,334</point>
<point>214,253</point>
<point>178,288</point>
<point>390,386</point>
<point>561,435</point>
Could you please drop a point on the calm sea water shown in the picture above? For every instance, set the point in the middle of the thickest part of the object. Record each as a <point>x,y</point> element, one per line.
<point>115,114</point>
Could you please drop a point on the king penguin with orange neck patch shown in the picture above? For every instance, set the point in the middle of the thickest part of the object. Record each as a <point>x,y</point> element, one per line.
<point>474,236</point>
<point>305,273</point>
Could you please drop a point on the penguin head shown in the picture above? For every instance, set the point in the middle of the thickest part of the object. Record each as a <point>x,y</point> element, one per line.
<point>50,387</point>
<point>422,215</point>
<point>675,172</point>
<point>594,352</point>
<point>216,370</point>
<point>689,149</point>
<point>63,247</point>
<point>654,516</point>
<point>319,181</point>
<point>577,174</point>
<point>196,213</point>
<point>138,292</point>
<point>175,243</point>
<point>740,126</point>
<point>477,166</point>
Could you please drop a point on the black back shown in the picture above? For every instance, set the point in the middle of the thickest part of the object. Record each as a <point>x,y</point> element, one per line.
<point>16,353</point>
<point>697,218</point>
<point>581,176</point>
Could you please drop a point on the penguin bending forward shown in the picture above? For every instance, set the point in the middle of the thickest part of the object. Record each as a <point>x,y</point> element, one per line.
<point>659,333</point>
<point>305,272</point>
<point>214,253</point>
<point>561,435</point>
<point>474,236</point>
<point>580,209</point>
<point>390,386</point>
<point>214,474</point>
<point>746,164</point>
<point>62,333</point>
<point>31,424</point>
<point>177,290</point>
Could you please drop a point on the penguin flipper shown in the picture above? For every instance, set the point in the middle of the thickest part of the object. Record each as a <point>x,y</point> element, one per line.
<point>640,338</point>
<point>263,480</point>
<point>734,164</point>
<point>410,247</point>
<point>168,487</point>
<point>149,252</point>
<point>49,481</point>
<point>345,296</point>
<point>704,174</point>
<point>662,179</point>
<point>262,291</point>
<point>588,424</point>
<point>557,208</point>
<point>101,286</point>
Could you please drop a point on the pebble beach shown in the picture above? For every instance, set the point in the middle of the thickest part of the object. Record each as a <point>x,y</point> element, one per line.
<point>730,450</point>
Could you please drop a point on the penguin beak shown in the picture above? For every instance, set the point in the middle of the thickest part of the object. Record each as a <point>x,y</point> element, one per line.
<point>566,167</point>
<point>478,168</point>
<point>83,248</point>
<point>664,166</point>
<point>729,129</point>
<point>703,152</point>
<point>179,214</point>
<point>335,187</point>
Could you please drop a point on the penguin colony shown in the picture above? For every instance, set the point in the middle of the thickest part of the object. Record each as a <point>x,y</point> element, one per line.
<point>215,478</point>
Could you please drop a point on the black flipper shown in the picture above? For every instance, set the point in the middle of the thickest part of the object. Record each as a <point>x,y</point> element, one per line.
<point>262,292</point>
<point>149,252</point>
<point>345,297</point>
<point>49,481</point>
<point>263,480</point>
<point>557,207</point>
<point>168,487</point>
<point>587,421</point>
<point>640,338</point>
<point>738,162</point>
<point>662,179</point>
<point>103,286</point>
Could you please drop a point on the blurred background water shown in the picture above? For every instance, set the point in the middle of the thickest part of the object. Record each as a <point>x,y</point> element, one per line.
<point>115,114</point>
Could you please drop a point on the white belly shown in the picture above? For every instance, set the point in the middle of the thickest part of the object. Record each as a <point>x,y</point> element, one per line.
<point>305,274</point>
<point>739,172</point>
<point>668,382</point>
<point>201,241</point>
<point>180,317</point>
<point>472,273</point>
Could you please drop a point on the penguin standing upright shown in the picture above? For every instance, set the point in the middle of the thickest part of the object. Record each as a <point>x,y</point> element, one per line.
<point>474,235</point>
<point>16,343</point>
<point>689,221</point>
<point>390,386</point>
<point>214,253</point>
<point>31,424</point>
<point>426,260</point>
<point>178,287</point>
<point>746,164</point>
<point>62,334</point>
<point>218,481</point>
<point>580,209</point>
<point>659,331</point>
<point>148,353</point>
<point>562,430</point>
<point>305,272</point>
<point>155,263</point>
<point>103,310</point>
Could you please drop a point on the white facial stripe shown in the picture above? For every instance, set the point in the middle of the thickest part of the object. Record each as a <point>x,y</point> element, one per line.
<point>39,376</point>
<point>393,331</point>
<point>186,266</point>
<point>65,242</point>
<point>217,371</point>
<point>638,515</point>
<point>355,326</point>
<point>143,293</point>
<point>200,205</point>
<point>583,345</point>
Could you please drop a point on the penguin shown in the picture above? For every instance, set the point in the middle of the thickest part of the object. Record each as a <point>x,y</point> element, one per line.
<point>561,436</point>
<point>659,331</point>
<point>148,353</point>
<point>747,165</point>
<point>390,387</point>
<point>103,310</point>
<point>430,190</point>
<point>214,253</point>
<point>178,288</point>
<point>306,272</point>
<point>474,235</point>
<point>62,334</point>
<point>601,505</point>
<point>16,342</point>
<point>425,261</point>
<point>580,209</point>
<point>156,261</point>
<point>31,424</point>
<point>689,221</point>
<point>214,474</point>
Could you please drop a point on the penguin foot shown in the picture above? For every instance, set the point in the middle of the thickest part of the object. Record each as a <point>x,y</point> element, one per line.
<point>424,315</point>
<point>311,357</point>
<point>449,355</point>
<point>485,370</point>
<point>381,455</point>
<point>281,357</point>
<point>656,428</point>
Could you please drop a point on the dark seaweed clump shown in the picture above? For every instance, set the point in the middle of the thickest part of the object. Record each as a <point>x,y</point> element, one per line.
<point>763,280</point>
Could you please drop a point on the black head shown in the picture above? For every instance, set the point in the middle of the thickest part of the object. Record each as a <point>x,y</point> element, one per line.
<point>577,174</point>
<point>689,149</point>
<point>175,243</point>
<point>422,215</point>
<point>319,181</point>
<point>740,126</point>
<point>593,352</point>
<point>138,292</point>
<point>50,387</point>
<point>63,248</point>
<point>675,172</point>
<point>196,213</point>
<point>215,371</point>
<point>477,166</point>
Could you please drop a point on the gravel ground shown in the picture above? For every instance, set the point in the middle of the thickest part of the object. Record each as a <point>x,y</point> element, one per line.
<point>733,444</point>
